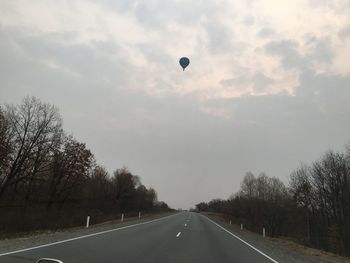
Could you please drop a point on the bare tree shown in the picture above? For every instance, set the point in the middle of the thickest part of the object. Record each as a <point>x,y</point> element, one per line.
<point>248,185</point>
<point>262,186</point>
<point>145,198</point>
<point>71,167</point>
<point>98,190</point>
<point>45,175</point>
<point>301,190</point>
<point>331,182</point>
<point>124,184</point>
<point>5,146</point>
<point>35,129</point>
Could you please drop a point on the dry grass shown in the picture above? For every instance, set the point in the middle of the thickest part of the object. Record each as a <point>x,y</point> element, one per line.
<point>93,224</point>
<point>288,244</point>
<point>310,252</point>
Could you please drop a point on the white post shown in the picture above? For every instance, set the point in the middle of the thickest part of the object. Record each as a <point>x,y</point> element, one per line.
<point>263,231</point>
<point>230,222</point>
<point>122,219</point>
<point>241,226</point>
<point>87,221</point>
<point>139,215</point>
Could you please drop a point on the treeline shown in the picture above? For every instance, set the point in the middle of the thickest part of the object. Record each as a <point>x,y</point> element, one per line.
<point>313,209</point>
<point>49,179</point>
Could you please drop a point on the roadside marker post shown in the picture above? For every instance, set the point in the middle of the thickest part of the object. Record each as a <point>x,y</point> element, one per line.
<point>264,232</point>
<point>230,222</point>
<point>240,239</point>
<point>241,226</point>
<point>139,215</point>
<point>87,221</point>
<point>122,219</point>
<point>84,236</point>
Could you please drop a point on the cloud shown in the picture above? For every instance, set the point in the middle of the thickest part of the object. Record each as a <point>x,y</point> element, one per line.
<point>261,82</point>
<point>266,32</point>
<point>344,33</point>
<point>288,52</point>
<point>267,86</point>
<point>219,38</point>
<point>248,20</point>
<point>157,14</point>
<point>258,82</point>
<point>321,51</point>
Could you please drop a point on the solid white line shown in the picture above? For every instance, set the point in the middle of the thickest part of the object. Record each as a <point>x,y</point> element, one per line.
<point>85,236</point>
<point>178,234</point>
<point>240,239</point>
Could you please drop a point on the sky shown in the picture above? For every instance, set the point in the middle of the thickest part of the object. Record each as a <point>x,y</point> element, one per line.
<point>268,86</point>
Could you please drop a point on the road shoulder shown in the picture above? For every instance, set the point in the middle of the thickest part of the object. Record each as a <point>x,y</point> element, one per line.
<point>47,237</point>
<point>282,250</point>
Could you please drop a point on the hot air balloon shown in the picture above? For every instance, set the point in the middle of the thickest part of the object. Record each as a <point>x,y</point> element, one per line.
<point>184,62</point>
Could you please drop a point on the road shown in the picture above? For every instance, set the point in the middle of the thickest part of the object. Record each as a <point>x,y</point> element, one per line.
<point>181,238</point>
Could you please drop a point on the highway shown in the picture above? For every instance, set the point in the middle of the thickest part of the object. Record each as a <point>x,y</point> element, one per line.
<point>180,238</point>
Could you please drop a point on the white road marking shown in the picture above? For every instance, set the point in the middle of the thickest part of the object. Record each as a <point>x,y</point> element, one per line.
<point>178,234</point>
<point>240,239</point>
<point>85,236</point>
<point>185,224</point>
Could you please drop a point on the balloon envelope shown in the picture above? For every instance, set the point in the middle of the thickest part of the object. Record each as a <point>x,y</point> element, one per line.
<point>184,62</point>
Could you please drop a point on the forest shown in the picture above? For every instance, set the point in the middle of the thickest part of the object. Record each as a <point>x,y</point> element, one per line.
<point>313,209</point>
<point>50,180</point>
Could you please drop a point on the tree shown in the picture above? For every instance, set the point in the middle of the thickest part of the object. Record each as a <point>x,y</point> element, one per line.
<point>44,174</point>
<point>124,186</point>
<point>301,190</point>
<point>201,207</point>
<point>70,170</point>
<point>145,198</point>
<point>5,146</point>
<point>248,185</point>
<point>98,190</point>
<point>99,184</point>
<point>34,130</point>
<point>262,186</point>
<point>330,179</point>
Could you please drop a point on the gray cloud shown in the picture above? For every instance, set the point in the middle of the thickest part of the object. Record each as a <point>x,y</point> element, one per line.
<point>157,14</point>
<point>258,81</point>
<point>82,59</point>
<point>261,82</point>
<point>266,32</point>
<point>287,50</point>
<point>321,50</point>
<point>249,20</point>
<point>344,33</point>
<point>280,131</point>
<point>154,53</point>
<point>219,37</point>
<point>190,147</point>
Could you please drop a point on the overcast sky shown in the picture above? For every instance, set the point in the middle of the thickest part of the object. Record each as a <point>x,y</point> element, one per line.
<point>268,85</point>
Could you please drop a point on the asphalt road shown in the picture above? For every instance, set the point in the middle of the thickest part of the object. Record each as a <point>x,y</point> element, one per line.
<point>181,238</point>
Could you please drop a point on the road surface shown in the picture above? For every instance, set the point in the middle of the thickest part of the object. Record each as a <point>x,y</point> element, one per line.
<point>180,238</point>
